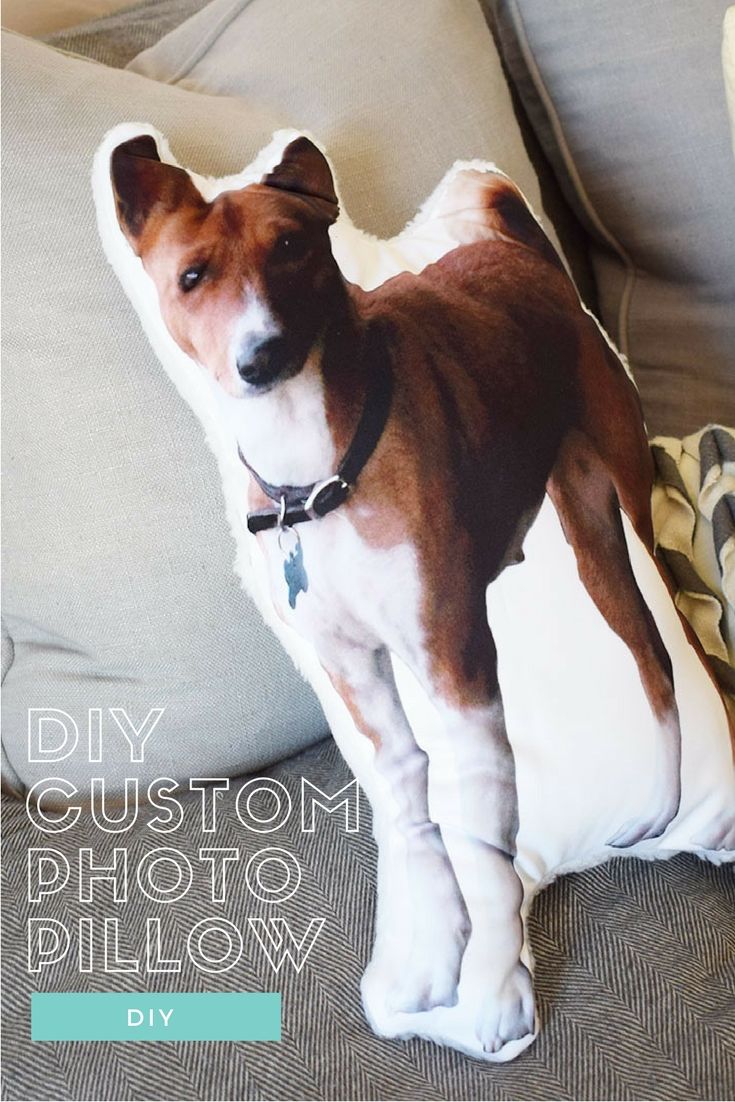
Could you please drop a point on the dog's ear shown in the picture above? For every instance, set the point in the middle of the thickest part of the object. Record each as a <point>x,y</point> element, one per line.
<point>304,170</point>
<point>142,184</point>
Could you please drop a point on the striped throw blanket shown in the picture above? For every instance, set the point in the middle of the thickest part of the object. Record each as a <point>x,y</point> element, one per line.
<point>694,524</point>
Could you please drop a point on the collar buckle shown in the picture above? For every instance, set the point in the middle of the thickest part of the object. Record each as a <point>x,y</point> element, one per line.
<point>326,496</point>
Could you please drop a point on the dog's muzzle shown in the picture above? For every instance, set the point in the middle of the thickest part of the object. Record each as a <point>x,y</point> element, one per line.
<point>263,363</point>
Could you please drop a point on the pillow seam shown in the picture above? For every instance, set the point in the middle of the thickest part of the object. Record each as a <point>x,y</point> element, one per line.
<point>624,306</point>
<point>60,50</point>
<point>204,45</point>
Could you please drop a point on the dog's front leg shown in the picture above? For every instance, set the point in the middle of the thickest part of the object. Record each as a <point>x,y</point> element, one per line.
<point>472,796</point>
<point>421,922</point>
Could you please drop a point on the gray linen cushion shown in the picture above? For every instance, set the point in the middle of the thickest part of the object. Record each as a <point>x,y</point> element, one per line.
<point>628,101</point>
<point>634,977</point>
<point>117,562</point>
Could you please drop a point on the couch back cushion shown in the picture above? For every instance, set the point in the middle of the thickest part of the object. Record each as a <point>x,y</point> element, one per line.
<point>629,103</point>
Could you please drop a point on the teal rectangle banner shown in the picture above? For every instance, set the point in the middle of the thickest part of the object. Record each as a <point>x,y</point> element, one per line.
<point>141,1016</point>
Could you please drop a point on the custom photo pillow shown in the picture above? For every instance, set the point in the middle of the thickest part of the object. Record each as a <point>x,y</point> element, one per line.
<point>436,470</point>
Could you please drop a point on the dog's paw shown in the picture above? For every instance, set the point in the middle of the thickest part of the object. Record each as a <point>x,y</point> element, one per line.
<point>509,1014</point>
<point>423,989</point>
<point>493,1026</point>
<point>421,932</point>
<point>423,972</point>
<point>414,989</point>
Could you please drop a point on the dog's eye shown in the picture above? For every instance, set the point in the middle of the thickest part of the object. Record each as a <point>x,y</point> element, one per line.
<point>291,246</point>
<point>191,276</point>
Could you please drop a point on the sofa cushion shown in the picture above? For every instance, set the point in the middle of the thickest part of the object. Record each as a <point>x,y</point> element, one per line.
<point>628,102</point>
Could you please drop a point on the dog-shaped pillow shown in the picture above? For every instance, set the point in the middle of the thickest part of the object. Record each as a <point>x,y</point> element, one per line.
<point>435,469</point>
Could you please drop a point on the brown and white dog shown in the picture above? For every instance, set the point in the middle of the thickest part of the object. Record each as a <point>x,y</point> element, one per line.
<point>469,391</point>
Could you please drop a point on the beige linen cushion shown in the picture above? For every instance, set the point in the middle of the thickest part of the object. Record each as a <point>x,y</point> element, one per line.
<point>119,588</point>
<point>39,17</point>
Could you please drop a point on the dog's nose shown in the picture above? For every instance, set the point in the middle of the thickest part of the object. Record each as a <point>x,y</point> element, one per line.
<point>262,362</point>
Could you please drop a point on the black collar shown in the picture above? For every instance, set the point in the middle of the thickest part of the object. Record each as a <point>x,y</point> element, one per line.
<point>297,504</point>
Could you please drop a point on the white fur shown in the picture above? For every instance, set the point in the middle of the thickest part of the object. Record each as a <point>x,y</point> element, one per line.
<point>581,730</point>
<point>269,427</point>
<point>255,324</point>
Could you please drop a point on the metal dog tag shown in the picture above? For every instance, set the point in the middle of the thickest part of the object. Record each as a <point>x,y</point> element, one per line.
<point>294,570</point>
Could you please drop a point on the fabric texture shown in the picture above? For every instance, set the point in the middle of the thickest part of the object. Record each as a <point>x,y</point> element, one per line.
<point>42,17</point>
<point>635,967</point>
<point>117,38</point>
<point>628,102</point>
<point>117,563</point>
<point>694,519</point>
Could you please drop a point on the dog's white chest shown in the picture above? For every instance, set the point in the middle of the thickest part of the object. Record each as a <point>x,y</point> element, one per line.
<point>354,592</point>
